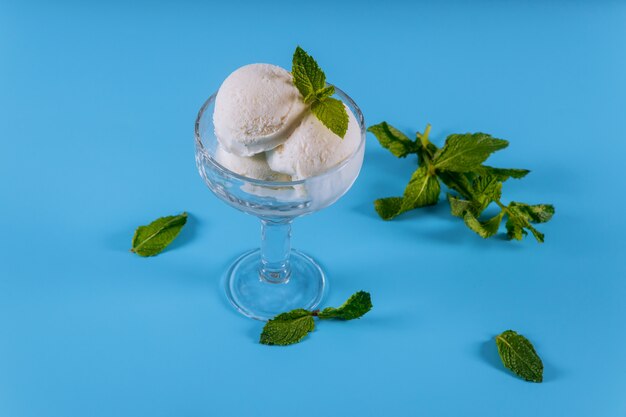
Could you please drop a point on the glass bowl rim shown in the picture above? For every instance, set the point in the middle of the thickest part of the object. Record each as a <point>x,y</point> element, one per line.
<point>223,170</point>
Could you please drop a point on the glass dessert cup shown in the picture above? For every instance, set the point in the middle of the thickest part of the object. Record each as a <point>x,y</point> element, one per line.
<point>275,278</point>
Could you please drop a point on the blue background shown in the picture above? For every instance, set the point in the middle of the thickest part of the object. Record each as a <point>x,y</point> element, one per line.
<point>97,104</point>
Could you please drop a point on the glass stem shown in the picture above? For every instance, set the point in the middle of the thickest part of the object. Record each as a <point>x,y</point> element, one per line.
<point>275,250</point>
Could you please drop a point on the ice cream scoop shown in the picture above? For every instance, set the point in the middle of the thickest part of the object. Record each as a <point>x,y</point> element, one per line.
<point>256,109</point>
<point>249,166</point>
<point>313,149</point>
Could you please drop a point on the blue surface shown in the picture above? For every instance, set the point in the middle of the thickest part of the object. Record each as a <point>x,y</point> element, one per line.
<point>97,104</point>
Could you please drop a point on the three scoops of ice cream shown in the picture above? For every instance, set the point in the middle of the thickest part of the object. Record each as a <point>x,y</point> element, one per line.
<point>266,131</point>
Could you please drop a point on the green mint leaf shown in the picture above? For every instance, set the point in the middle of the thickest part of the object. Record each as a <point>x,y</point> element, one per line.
<point>539,213</point>
<point>518,355</point>
<point>488,186</point>
<point>483,229</point>
<point>539,237</point>
<point>332,113</point>
<point>457,181</point>
<point>476,195</point>
<point>458,206</point>
<point>423,190</point>
<point>516,223</point>
<point>520,216</point>
<point>388,208</point>
<point>515,228</point>
<point>325,92</point>
<point>394,140</point>
<point>150,240</point>
<point>502,174</point>
<point>485,190</point>
<point>356,306</point>
<point>308,77</point>
<point>288,328</point>
<point>465,152</point>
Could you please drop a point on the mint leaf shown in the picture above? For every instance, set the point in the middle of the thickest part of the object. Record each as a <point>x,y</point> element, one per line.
<point>388,208</point>
<point>502,174</point>
<point>458,206</point>
<point>539,237</point>
<point>325,92</point>
<point>308,77</point>
<point>457,181</point>
<point>476,195</point>
<point>515,227</point>
<point>423,190</point>
<point>332,113</point>
<point>485,190</point>
<point>539,213</point>
<point>150,240</point>
<point>393,139</point>
<point>483,229</point>
<point>520,216</point>
<point>518,355</point>
<point>465,152</point>
<point>356,306</point>
<point>288,328</point>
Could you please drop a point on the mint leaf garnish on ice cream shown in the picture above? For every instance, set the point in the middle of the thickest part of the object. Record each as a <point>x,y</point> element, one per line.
<point>291,327</point>
<point>308,77</point>
<point>310,80</point>
<point>332,113</point>
<point>473,187</point>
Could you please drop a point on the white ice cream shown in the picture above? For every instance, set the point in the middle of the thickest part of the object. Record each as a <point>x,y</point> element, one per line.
<point>313,149</point>
<point>252,167</point>
<point>256,109</point>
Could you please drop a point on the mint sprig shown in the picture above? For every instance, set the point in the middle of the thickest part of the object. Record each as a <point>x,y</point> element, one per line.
<point>518,354</point>
<point>152,239</point>
<point>291,327</point>
<point>310,80</point>
<point>473,186</point>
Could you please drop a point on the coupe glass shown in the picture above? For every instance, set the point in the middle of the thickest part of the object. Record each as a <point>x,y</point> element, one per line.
<point>275,278</point>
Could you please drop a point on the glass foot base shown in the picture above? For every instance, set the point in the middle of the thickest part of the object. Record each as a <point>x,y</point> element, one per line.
<point>262,300</point>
